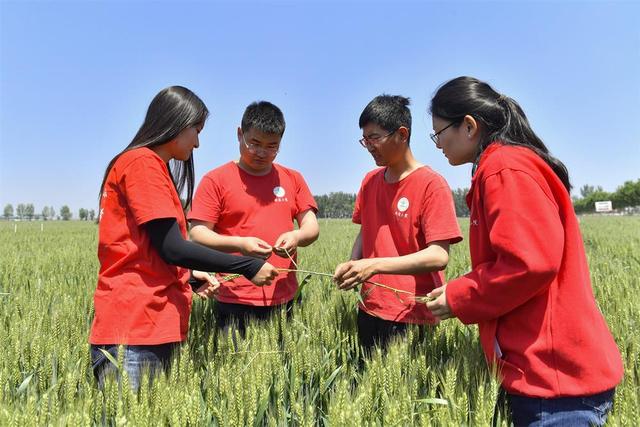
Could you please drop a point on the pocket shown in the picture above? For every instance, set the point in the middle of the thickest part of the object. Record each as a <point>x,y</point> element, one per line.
<point>98,358</point>
<point>600,404</point>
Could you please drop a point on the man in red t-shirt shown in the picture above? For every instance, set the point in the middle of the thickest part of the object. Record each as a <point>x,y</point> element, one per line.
<point>248,206</point>
<point>408,221</point>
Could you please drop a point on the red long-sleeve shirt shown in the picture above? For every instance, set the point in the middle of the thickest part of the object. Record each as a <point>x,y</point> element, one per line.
<point>529,290</point>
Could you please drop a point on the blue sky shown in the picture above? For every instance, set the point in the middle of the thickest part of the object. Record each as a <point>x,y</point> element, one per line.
<point>76,79</point>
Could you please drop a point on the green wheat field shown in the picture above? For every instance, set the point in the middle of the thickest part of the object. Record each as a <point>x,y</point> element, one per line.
<point>305,370</point>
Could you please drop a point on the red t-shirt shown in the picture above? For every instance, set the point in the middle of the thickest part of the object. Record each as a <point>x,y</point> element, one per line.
<point>529,290</point>
<point>400,219</point>
<point>241,204</point>
<point>140,299</point>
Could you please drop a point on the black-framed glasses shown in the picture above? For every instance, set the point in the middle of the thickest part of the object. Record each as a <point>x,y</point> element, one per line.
<point>366,141</point>
<point>434,136</point>
<point>254,148</point>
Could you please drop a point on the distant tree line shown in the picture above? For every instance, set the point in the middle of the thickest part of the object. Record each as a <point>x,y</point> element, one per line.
<point>27,212</point>
<point>340,204</point>
<point>627,195</point>
<point>335,205</point>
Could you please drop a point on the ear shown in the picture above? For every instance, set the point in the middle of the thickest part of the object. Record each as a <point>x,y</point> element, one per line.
<point>239,134</point>
<point>403,132</point>
<point>471,126</point>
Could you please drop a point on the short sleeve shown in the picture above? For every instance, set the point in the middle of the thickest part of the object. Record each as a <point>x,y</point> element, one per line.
<point>439,221</point>
<point>148,189</point>
<point>356,218</point>
<point>207,201</point>
<point>304,198</point>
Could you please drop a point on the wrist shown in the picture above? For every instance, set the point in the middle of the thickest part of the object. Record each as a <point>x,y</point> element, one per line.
<point>380,266</point>
<point>297,236</point>
<point>240,243</point>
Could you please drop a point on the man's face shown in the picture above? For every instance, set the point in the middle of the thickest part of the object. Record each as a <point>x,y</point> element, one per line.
<point>384,146</point>
<point>258,150</point>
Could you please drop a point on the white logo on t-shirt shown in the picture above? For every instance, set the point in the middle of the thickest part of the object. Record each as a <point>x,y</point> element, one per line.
<point>279,191</point>
<point>403,204</point>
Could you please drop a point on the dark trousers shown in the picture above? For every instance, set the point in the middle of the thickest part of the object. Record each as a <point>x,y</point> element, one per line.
<point>374,331</point>
<point>232,319</point>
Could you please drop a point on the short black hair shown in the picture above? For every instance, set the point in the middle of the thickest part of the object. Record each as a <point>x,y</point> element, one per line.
<point>265,117</point>
<point>390,112</point>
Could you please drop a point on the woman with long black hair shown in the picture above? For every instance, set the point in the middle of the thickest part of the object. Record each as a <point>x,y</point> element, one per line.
<point>529,289</point>
<point>143,298</point>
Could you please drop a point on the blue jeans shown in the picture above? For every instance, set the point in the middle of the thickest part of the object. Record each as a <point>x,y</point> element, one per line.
<point>137,359</point>
<point>562,411</point>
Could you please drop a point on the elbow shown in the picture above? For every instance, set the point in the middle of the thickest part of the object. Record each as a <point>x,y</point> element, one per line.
<point>441,261</point>
<point>314,235</point>
<point>195,233</point>
<point>171,257</point>
<point>310,236</point>
<point>543,274</point>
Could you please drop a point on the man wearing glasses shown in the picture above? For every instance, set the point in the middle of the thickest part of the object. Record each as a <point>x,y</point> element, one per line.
<point>248,206</point>
<point>407,222</point>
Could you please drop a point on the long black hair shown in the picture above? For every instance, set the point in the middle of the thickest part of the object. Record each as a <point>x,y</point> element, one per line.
<point>501,118</point>
<point>171,111</point>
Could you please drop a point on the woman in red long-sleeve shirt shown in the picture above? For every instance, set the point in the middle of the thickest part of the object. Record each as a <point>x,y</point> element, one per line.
<point>529,289</point>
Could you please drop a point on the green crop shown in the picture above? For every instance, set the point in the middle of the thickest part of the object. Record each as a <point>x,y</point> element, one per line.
<point>302,370</point>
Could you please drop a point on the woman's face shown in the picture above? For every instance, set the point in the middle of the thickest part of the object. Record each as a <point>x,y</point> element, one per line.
<point>459,142</point>
<point>185,142</point>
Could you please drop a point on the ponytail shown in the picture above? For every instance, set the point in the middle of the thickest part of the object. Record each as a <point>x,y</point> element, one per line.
<point>501,117</point>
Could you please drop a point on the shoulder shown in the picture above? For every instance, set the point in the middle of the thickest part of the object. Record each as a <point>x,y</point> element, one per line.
<point>136,156</point>
<point>429,178</point>
<point>498,157</point>
<point>140,164</point>
<point>519,166</point>
<point>292,173</point>
<point>226,169</point>
<point>373,176</point>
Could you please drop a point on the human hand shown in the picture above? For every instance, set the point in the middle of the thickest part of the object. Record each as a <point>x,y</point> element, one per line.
<point>257,248</point>
<point>351,273</point>
<point>439,306</point>
<point>210,286</point>
<point>287,243</point>
<point>265,275</point>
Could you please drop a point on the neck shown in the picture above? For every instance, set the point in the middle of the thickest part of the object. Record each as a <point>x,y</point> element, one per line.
<point>162,152</point>
<point>402,167</point>
<point>256,172</point>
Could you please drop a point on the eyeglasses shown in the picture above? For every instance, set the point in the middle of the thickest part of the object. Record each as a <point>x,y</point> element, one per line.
<point>254,148</point>
<point>374,140</point>
<point>434,136</point>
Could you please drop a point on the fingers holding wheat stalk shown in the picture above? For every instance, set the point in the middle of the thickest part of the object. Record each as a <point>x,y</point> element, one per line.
<point>422,299</point>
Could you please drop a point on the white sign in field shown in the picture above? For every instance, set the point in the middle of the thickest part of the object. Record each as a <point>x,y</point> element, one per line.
<point>604,206</point>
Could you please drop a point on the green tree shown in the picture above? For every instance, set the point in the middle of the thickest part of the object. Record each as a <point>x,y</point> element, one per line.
<point>65,213</point>
<point>45,213</point>
<point>29,211</point>
<point>83,214</point>
<point>586,190</point>
<point>52,212</point>
<point>588,204</point>
<point>8,211</point>
<point>335,205</point>
<point>460,202</point>
<point>628,194</point>
<point>20,210</point>
<point>92,215</point>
